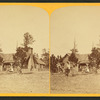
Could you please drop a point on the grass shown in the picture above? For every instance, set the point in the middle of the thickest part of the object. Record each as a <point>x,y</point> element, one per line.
<point>78,84</point>
<point>35,82</point>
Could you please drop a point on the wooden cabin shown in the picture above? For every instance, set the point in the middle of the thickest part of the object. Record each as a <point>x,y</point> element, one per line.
<point>33,63</point>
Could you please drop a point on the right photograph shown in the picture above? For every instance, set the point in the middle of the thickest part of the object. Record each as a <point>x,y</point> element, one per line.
<point>75,50</point>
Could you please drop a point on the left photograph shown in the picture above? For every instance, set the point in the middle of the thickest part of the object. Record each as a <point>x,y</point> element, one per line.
<point>24,49</point>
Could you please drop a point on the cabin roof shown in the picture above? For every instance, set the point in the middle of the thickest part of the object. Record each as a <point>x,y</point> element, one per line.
<point>40,62</point>
<point>82,58</point>
<point>8,58</point>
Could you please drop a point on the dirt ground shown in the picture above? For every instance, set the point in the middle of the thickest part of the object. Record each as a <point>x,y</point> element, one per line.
<point>36,82</point>
<point>79,84</point>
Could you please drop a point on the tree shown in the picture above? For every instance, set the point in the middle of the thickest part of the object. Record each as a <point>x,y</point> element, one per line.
<point>1,59</point>
<point>45,57</point>
<point>20,55</point>
<point>73,58</point>
<point>60,59</point>
<point>21,52</point>
<point>94,57</point>
<point>53,62</point>
<point>1,56</point>
<point>28,39</point>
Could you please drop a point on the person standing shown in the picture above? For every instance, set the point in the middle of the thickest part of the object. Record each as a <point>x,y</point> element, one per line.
<point>67,68</point>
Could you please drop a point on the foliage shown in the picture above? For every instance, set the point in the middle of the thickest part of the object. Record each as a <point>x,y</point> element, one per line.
<point>1,59</point>
<point>94,57</point>
<point>74,50</point>
<point>21,52</point>
<point>53,61</point>
<point>28,39</point>
<point>45,57</point>
<point>73,58</point>
<point>20,55</point>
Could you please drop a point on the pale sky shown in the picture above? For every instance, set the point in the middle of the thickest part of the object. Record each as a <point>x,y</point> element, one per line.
<point>17,20</point>
<point>79,22</point>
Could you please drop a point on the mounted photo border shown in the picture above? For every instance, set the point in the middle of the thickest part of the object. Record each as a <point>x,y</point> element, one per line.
<point>49,7</point>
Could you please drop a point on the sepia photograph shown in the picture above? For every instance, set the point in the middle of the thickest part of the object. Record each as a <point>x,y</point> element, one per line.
<point>24,49</point>
<point>75,50</point>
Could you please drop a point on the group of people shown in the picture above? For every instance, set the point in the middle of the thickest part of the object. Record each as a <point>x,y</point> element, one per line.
<point>15,67</point>
<point>66,68</point>
<point>70,67</point>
